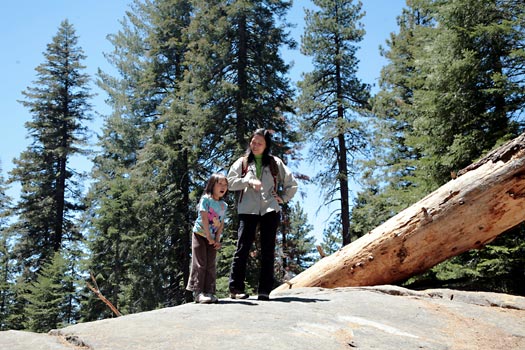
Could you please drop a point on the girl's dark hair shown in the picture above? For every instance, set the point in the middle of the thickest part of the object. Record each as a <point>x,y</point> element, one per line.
<point>214,178</point>
<point>266,156</point>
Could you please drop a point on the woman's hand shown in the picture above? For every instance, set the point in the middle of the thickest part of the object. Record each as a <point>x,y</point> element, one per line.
<point>256,184</point>
<point>277,198</point>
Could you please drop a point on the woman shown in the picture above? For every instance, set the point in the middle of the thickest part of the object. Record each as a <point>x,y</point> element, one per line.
<point>256,176</point>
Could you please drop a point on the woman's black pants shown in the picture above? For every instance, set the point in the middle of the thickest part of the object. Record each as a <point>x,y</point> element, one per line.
<point>247,229</point>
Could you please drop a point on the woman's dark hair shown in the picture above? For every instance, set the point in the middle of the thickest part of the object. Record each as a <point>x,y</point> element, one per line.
<point>214,178</point>
<point>266,156</point>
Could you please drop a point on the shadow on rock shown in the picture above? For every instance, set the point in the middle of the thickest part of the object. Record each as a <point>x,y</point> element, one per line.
<point>287,299</point>
<point>296,299</point>
<point>246,302</point>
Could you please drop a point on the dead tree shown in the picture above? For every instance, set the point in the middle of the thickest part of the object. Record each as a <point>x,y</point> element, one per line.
<point>484,200</point>
<point>99,294</point>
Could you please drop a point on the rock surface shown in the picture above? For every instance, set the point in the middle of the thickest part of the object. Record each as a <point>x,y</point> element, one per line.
<point>379,317</point>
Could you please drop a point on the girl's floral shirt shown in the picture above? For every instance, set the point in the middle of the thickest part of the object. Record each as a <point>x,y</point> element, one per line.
<point>216,211</point>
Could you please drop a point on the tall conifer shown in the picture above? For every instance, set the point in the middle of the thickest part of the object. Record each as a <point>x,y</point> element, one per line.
<point>50,201</point>
<point>6,262</point>
<point>112,218</point>
<point>141,195</point>
<point>332,99</point>
<point>50,198</point>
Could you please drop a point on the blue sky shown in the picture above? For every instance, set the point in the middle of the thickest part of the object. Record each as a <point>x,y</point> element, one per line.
<point>27,26</point>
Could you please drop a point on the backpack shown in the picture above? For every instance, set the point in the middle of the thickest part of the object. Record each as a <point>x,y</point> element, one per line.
<point>274,169</point>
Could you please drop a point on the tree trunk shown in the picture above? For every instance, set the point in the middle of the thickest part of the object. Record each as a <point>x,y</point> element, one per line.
<point>486,199</point>
<point>242,93</point>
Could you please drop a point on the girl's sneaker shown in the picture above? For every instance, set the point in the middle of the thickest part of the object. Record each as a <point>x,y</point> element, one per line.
<point>203,299</point>
<point>213,298</point>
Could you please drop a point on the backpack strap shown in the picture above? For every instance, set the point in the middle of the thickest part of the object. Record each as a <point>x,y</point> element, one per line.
<point>274,169</point>
<point>244,170</point>
<point>244,166</point>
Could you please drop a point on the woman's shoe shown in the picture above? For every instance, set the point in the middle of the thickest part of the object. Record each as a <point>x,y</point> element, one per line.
<point>235,294</point>
<point>264,297</point>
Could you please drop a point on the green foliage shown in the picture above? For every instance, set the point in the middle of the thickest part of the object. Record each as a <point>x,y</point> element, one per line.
<point>6,293</point>
<point>45,220</point>
<point>498,267</point>
<point>51,298</point>
<point>16,317</point>
<point>225,258</point>
<point>371,208</point>
<point>109,241</point>
<point>297,246</point>
<point>237,81</point>
<point>332,240</point>
<point>462,110</point>
<point>6,262</point>
<point>141,199</point>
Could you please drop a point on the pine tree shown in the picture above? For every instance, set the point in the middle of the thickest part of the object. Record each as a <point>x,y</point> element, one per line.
<point>17,316</point>
<point>164,169</point>
<point>465,105</point>
<point>225,256</point>
<point>297,246</point>
<point>332,240</point>
<point>110,235</point>
<point>6,261</point>
<point>442,92</point>
<point>332,97</point>
<point>50,197</point>
<point>49,297</point>
<point>112,219</point>
<point>141,199</point>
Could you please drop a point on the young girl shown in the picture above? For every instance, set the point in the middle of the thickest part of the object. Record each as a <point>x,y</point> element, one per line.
<point>205,240</point>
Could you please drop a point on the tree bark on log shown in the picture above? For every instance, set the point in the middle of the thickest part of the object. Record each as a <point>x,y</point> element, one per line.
<point>485,199</point>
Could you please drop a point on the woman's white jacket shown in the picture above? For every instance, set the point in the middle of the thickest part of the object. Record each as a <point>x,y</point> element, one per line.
<point>263,201</point>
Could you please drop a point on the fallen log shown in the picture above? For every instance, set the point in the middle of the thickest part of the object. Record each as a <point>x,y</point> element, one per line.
<point>481,202</point>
